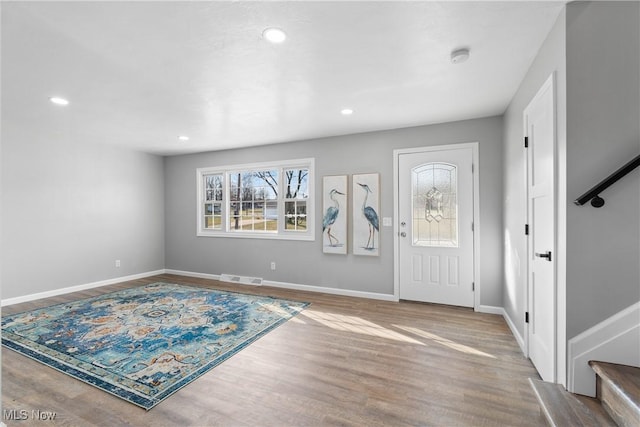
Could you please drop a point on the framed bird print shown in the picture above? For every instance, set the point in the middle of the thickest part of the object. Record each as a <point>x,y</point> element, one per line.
<point>334,214</point>
<point>366,208</point>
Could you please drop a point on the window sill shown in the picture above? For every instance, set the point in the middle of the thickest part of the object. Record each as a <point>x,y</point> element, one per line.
<point>263,236</point>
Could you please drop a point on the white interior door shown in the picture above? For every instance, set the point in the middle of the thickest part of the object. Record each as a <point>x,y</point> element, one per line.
<point>539,118</point>
<point>435,214</point>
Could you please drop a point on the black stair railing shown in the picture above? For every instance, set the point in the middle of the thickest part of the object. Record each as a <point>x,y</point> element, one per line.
<point>594,193</point>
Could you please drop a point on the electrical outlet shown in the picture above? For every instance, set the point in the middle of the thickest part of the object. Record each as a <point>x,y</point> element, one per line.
<point>117,263</point>
<point>273,265</point>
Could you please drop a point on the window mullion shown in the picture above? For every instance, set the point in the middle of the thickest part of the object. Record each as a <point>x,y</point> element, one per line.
<point>201,201</point>
<point>226,197</point>
<point>280,200</point>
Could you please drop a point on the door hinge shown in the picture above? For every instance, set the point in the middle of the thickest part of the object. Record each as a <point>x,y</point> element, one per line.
<point>472,226</point>
<point>526,142</point>
<point>526,317</point>
<point>472,167</point>
<point>526,229</point>
<point>473,286</point>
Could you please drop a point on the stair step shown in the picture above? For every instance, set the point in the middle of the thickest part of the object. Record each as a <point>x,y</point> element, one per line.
<point>618,388</point>
<point>561,408</point>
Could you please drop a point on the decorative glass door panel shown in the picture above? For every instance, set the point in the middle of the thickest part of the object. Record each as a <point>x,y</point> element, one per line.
<point>434,192</point>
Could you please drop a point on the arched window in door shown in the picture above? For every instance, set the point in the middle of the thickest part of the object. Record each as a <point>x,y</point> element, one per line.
<point>434,205</point>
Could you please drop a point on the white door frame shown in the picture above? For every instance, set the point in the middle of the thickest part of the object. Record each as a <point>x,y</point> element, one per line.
<point>558,358</point>
<point>476,214</point>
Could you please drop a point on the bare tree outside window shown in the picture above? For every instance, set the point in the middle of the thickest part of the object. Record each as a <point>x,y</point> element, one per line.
<point>254,200</point>
<point>295,199</point>
<point>213,201</point>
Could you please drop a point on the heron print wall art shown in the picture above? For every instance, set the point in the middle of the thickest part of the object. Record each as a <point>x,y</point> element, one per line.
<point>334,214</point>
<point>366,208</point>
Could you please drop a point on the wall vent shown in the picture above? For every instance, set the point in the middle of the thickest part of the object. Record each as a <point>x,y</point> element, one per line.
<point>243,280</point>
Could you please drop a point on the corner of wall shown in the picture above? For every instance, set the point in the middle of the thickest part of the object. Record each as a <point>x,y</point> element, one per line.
<point>615,340</point>
<point>516,334</point>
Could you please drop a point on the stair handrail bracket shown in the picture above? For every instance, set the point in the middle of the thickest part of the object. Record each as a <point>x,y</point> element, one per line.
<point>594,193</point>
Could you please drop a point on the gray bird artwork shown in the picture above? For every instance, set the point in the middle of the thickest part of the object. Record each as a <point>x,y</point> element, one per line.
<point>372,218</point>
<point>330,217</point>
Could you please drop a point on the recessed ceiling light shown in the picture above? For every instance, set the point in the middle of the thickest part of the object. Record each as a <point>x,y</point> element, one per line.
<point>58,101</point>
<point>183,138</point>
<point>274,35</point>
<point>459,56</point>
<point>346,111</point>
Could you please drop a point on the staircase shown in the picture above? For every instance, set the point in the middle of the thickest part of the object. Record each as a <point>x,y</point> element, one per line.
<point>617,401</point>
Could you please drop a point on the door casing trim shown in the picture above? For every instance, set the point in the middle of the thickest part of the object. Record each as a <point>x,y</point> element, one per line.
<point>476,213</point>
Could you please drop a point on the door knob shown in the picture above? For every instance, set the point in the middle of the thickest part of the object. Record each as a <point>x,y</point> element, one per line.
<point>403,234</point>
<point>546,255</point>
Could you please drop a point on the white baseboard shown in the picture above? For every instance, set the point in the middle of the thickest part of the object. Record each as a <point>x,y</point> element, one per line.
<point>514,331</point>
<point>333,291</point>
<point>614,340</point>
<point>490,309</point>
<point>62,291</point>
<point>192,274</point>
<point>296,286</point>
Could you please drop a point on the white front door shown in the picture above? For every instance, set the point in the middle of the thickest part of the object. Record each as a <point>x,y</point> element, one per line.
<point>539,117</point>
<point>435,217</point>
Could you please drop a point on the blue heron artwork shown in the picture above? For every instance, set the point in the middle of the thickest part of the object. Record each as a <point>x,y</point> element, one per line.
<point>372,217</point>
<point>330,217</point>
<point>366,224</point>
<point>334,221</point>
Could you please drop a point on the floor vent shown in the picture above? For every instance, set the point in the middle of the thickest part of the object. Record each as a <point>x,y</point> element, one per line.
<point>243,280</point>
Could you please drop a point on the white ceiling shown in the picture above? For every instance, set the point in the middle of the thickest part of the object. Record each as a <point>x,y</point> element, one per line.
<point>138,74</point>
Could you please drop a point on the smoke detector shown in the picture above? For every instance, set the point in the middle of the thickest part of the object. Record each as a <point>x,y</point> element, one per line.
<point>459,56</point>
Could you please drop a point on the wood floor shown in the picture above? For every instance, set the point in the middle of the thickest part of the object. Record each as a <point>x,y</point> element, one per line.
<point>341,362</point>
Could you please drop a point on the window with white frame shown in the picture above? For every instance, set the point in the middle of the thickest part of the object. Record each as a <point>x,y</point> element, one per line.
<point>264,200</point>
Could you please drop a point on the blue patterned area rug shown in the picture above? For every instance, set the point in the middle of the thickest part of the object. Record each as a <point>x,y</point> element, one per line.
<point>143,344</point>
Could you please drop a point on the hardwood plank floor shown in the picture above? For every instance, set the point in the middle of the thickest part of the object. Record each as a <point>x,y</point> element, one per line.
<point>342,362</point>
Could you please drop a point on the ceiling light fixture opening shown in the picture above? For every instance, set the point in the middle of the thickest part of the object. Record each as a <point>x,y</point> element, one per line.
<point>346,111</point>
<point>183,138</point>
<point>274,35</point>
<point>459,56</point>
<point>58,101</point>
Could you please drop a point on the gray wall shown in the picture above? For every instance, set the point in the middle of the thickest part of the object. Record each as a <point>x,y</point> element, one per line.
<point>304,262</point>
<point>550,59</point>
<point>70,210</point>
<point>603,133</point>
<point>594,48</point>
